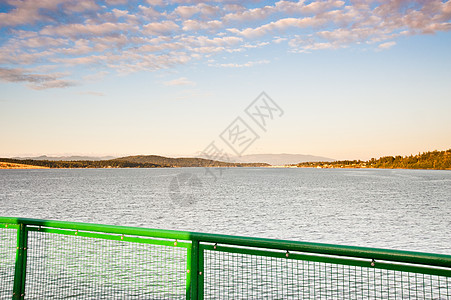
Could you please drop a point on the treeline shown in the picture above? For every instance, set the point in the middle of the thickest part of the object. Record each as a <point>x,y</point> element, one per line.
<point>437,160</point>
<point>333,164</point>
<point>81,163</point>
<point>139,161</point>
<point>186,161</point>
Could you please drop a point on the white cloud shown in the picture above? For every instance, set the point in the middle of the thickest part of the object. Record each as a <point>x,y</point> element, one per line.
<point>154,34</point>
<point>157,28</point>
<point>27,12</point>
<point>245,65</point>
<point>386,45</point>
<point>96,76</point>
<point>179,81</point>
<point>279,40</point>
<point>155,2</point>
<point>81,6</point>
<point>253,14</point>
<point>43,41</point>
<point>119,13</point>
<point>317,7</point>
<point>203,9</point>
<point>193,25</point>
<point>116,2</point>
<point>148,12</point>
<point>278,26</point>
<point>73,30</point>
<point>258,45</point>
<point>33,80</point>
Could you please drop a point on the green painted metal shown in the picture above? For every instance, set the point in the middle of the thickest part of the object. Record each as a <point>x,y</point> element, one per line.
<point>194,273</point>
<point>157,233</point>
<point>367,263</point>
<point>201,272</point>
<point>117,237</point>
<point>197,244</point>
<point>21,262</point>
<point>189,274</point>
<point>428,259</point>
<point>10,226</point>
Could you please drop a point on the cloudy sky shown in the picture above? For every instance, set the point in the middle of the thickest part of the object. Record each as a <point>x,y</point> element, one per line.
<point>352,79</point>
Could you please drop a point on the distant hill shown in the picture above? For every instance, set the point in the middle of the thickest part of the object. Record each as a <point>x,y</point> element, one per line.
<point>433,160</point>
<point>67,158</point>
<point>138,161</point>
<point>440,160</point>
<point>185,161</point>
<point>280,159</point>
<point>79,163</point>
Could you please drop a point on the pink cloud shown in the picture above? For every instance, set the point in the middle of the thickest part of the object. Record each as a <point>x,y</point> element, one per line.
<point>157,34</point>
<point>73,30</point>
<point>35,81</point>
<point>157,28</point>
<point>193,25</point>
<point>179,81</point>
<point>386,45</point>
<point>279,26</point>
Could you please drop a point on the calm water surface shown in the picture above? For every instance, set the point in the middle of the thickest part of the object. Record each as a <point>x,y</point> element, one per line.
<point>400,209</point>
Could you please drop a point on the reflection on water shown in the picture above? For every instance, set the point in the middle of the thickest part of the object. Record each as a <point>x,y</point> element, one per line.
<point>401,209</point>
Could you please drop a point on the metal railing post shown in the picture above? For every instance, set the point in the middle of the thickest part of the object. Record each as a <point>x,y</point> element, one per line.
<point>194,263</point>
<point>201,276</point>
<point>21,263</point>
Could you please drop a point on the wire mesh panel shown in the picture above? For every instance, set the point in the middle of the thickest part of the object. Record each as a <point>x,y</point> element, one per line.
<point>67,266</point>
<point>113,262</point>
<point>230,275</point>
<point>8,244</point>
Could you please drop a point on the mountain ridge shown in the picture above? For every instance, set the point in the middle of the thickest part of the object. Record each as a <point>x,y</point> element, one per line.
<point>66,158</point>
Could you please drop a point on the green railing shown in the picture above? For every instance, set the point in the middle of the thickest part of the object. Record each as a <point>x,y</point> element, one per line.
<point>41,259</point>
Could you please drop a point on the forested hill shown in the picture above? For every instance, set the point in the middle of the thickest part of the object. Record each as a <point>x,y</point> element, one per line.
<point>80,163</point>
<point>438,160</point>
<point>434,160</point>
<point>140,161</point>
<point>185,161</point>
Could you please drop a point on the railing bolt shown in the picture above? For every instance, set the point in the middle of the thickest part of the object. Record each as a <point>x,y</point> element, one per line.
<point>287,254</point>
<point>214,247</point>
<point>373,262</point>
<point>175,243</point>
<point>200,273</point>
<point>187,271</point>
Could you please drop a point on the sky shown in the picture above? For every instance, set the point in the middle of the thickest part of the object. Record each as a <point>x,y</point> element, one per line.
<point>340,79</point>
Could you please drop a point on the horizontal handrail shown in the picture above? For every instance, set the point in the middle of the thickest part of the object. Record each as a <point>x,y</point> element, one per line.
<point>430,259</point>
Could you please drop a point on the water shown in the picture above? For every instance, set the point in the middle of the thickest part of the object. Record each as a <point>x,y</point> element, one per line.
<point>397,209</point>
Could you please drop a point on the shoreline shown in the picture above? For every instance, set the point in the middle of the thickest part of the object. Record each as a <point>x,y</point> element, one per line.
<point>13,166</point>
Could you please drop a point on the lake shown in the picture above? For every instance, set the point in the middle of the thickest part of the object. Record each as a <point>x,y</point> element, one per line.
<point>397,209</point>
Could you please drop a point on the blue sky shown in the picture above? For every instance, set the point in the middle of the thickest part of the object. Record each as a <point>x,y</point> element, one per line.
<point>355,79</point>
